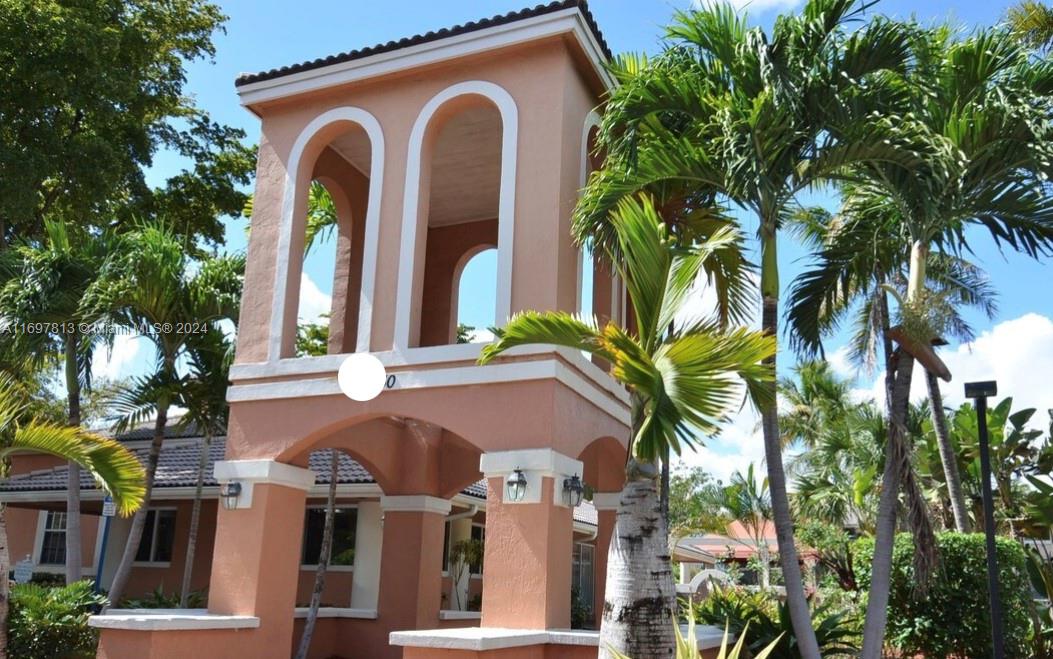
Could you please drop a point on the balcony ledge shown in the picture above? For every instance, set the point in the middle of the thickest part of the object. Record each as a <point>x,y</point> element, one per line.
<point>495,638</point>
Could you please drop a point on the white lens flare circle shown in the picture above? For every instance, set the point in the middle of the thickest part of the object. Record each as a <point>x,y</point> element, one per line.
<point>361,377</point>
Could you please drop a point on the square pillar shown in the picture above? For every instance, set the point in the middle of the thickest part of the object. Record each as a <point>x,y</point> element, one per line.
<point>411,564</point>
<point>606,504</point>
<point>256,559</point>
<point>527,558</point>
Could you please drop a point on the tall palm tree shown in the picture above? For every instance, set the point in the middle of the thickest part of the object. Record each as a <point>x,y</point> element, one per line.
<point>46,282</point>
<point>204,396</point>
<point>1032,22</point>
<point>153,286</point>
<point>678,377</point>
<point>734,115</point>
<point>845,281</point>
<point>981,105</point>
<point>115,468</point>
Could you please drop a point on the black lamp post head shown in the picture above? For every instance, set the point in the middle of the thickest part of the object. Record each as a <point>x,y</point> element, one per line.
<point>981,389</point>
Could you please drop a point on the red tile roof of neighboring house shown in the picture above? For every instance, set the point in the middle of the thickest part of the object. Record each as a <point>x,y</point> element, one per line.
<point>471,26</point>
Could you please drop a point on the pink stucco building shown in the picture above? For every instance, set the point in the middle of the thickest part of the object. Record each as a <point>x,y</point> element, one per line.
<point>433,148</point>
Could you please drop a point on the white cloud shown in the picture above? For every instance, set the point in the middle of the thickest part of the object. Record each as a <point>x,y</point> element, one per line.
<point>313,302</point>
<point>751,6</point>
<point>481,335</point>
<point>738,445</point>
<point>1018,353</point>
<point>116,362</point>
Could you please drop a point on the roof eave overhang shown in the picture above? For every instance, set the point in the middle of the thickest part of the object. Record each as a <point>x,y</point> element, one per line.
<point>567,22</point>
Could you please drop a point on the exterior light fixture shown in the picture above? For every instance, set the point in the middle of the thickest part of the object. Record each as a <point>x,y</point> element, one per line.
<point>516,485</point>
<point>573,491</point>
<point>230,493</point>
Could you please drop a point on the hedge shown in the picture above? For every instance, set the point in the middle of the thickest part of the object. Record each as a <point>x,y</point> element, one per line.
<point>952,619</point>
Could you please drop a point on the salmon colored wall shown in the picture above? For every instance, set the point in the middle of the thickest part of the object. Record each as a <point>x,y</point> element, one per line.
<point>546,180</point>
<point>446,251</point>
<point>22,529</point>
<point>337,590</point>
<point>527,561</point>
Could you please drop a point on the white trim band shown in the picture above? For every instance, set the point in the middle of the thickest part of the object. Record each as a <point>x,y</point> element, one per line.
<point>606,500</point>
<point>415,503</point>
<point>536,464</point>
<point>264,472</point>
<point>170,620</point>
<point>496,638</point>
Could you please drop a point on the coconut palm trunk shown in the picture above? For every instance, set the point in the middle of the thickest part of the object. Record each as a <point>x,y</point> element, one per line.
<point>323,559</point>
<point>73,545</point>
<point>195,520</point>
<point>947,455</point>
<point>135,534</point>
<point>638,615</point>
<point>796,600</point>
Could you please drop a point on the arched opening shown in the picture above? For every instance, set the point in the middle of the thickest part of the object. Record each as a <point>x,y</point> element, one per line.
<point>464,163</point>
<point>475,294</point>
<point>327,236</point>
<point>459,200</point>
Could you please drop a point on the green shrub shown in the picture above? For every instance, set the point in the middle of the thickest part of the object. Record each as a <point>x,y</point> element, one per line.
<point>52,622</point>
<point>159,599</point>
<point>763,620</point>
<point>952,619</point>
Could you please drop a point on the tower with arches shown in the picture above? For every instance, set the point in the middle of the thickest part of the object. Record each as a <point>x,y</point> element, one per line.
<point>472,143</point>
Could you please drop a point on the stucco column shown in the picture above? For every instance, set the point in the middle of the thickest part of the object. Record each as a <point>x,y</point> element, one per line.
<point>606,504</point>
<point>411,565</point>
<point>256,560</point>
<point>527,558</point>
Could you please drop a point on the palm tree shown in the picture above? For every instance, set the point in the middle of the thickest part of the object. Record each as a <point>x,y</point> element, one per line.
<point>115,468</point>
<point>846,281</point>
<point>728,113</point>
<point>746,500</point>
<point>981,104</point>
<point>154,287</point>
<point>204,395</point>
<point>46,282</point>
<point>325,553</point>
<point>678,377</point>
<point>1032,22</point>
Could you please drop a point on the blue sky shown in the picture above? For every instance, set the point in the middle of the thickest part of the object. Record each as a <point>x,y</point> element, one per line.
<point>262,34</point>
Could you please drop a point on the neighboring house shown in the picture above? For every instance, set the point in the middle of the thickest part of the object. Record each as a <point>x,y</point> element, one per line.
<point>434,148</point>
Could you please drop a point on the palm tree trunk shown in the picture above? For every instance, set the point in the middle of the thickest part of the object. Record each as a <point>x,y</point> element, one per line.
<point>73,546</point>
<point>947,455</point>
<point>323,559</point>
<point>195,518</point>
<point>638,608</point>
<point>796,600</point>
<point>135,534</point>
<point>5,580</point>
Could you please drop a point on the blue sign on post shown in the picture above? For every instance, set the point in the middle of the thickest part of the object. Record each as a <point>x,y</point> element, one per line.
<point>108,511</point>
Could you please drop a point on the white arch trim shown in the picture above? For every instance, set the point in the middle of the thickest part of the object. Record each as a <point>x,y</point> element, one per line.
<point>592,120</point>
<point>370,124</point>
<point>411,211</point>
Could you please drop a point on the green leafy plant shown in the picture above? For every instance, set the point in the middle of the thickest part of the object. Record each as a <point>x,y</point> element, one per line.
<point>951,619</point>
<point>687,646</point>
<point>764,622</point>
<point>52,622</point>
<point>159,599</point>
<point>580,611</point>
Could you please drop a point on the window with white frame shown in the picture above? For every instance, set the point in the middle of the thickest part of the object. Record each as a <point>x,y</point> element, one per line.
<point>478,534</point>
<point>582,574</point>
<point>158,536</point>
<point>53,541</point>
<point>345,521</point>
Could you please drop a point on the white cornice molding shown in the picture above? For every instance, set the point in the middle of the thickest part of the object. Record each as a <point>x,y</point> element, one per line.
<point>415,503</point>
<point>262,472</point>
<point>537,465</point>
<point>606,500</point>
<point>569,21</point>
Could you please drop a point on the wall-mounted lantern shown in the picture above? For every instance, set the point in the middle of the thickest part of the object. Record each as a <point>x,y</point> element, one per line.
<point>230,492</point>
<point>516,486</point>
<point>573,491</point>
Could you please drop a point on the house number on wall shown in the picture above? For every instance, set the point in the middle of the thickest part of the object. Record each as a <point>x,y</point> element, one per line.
<point>390,382</point>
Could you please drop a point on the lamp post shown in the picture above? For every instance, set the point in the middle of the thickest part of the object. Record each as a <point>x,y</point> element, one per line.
<point>979,391</point>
